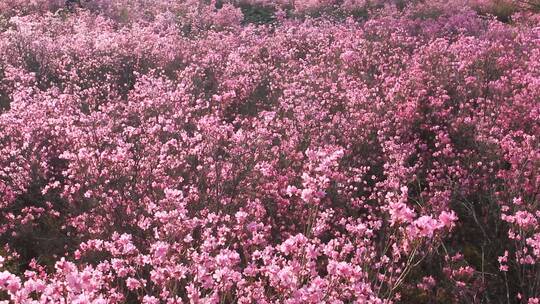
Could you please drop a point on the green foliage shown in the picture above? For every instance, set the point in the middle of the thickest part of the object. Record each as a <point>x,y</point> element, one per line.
<point>257,14</point>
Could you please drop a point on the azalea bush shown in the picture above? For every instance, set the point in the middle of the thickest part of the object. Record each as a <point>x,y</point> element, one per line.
<point>307,151</point>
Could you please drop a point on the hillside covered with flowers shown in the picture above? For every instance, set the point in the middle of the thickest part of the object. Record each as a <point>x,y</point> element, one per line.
<point>252,151</point>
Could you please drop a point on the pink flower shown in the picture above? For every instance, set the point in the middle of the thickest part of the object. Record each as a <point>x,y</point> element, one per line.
<point>150,300</point>
<point>448,219</point>
<point>132,283</point>
<point>426,226</point>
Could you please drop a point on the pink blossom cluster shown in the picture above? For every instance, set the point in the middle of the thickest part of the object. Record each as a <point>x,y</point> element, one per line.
<point>268,152</point>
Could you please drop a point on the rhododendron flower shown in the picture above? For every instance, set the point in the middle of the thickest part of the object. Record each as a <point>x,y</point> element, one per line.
<point>257,151</point>
<point>448,219</point>
<point>132,283</point>
<point>503,260</point>
<point>425,226</point>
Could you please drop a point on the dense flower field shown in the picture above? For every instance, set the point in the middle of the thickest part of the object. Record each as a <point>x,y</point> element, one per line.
<point>306,151</point>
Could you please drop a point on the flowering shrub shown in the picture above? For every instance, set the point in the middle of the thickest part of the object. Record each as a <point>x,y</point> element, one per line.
<point>268,152</point>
